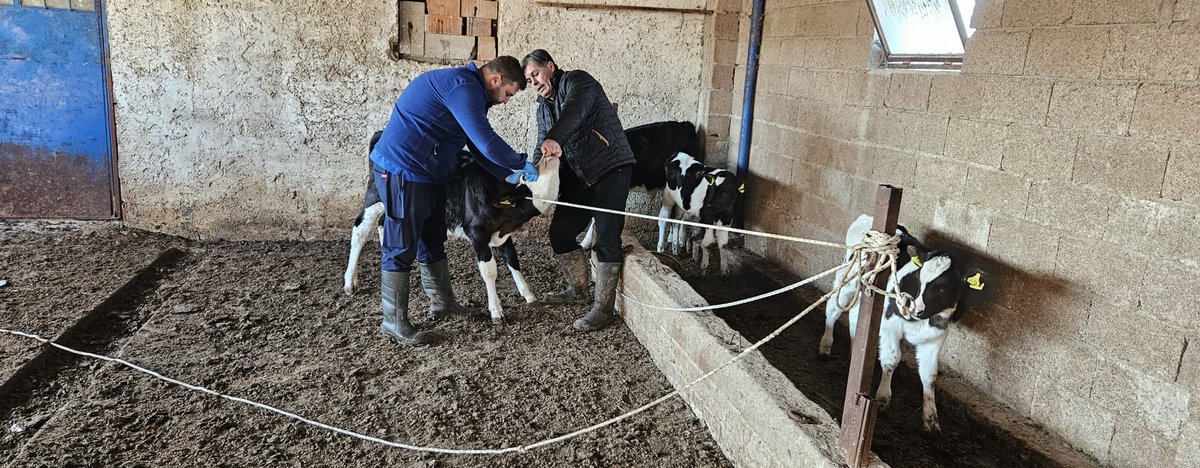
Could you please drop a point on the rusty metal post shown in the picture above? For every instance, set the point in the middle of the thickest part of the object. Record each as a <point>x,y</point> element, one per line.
<point>858,411</point>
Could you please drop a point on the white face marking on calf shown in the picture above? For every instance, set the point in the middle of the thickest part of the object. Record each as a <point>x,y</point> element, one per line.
<point>930,271</point>
<point>934,268</point>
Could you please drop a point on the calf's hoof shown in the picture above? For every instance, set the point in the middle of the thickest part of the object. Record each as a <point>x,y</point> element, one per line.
<point>825,348</point>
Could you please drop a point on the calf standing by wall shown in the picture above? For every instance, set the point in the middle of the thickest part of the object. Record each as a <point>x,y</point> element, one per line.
<point>577,122</point>
<point>432,120</point>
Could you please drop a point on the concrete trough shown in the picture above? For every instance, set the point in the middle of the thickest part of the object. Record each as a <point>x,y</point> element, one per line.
<point>751,409</point>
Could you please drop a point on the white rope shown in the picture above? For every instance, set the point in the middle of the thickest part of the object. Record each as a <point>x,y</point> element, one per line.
<point>740,302</point>
<point>694,382</point>
<point>875,243</point>
<point>518,449</point>
<point>263,406</point>
<point>694,224</point>
<point>885,249</point>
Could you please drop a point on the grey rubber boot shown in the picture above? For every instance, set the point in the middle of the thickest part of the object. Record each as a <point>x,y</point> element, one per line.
<point>604,311</point>
<point>435,280</point>
<point>574,267</point>
<point>394,289</point>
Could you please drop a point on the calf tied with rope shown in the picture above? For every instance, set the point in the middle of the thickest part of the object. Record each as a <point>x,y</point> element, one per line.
<point>921,299</point>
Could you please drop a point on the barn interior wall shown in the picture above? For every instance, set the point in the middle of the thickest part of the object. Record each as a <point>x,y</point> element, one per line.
<point>250,120</point>
<point>1065,154</point>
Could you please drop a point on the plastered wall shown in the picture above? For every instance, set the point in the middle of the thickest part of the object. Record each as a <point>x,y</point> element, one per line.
<point>250,119</point>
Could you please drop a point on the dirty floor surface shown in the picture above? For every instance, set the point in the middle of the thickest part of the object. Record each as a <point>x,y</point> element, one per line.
<point>268,321</point>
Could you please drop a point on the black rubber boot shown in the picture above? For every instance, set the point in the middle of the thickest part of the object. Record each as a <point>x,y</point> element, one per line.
<point>604,311</point>
<point>394,289</point>
<point>435,280</point>
<point>574,267</point>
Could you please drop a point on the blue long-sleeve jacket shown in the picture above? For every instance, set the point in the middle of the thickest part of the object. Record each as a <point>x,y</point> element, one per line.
<point>433,119</point>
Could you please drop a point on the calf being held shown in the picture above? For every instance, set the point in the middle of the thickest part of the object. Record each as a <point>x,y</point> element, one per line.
<point>480,209</point>
<point>936,283</point>
<point>696,192</point>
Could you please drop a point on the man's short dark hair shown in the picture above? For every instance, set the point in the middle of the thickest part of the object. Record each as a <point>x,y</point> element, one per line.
<point>539,56</point>
<point>508,68</point>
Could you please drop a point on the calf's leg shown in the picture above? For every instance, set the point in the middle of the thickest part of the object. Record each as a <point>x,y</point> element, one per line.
<point>890,334</point>
<point>358,236</point>
<point>509,252</point>
<point>927,367</point>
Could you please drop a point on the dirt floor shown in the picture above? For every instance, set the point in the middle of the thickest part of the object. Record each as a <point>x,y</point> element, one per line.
<point>267,321</point>
<point>899,439</point>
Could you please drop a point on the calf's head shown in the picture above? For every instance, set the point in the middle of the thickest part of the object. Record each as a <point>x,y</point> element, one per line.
<point>939,283</point>
<point>546,187</point>
<point>723,190</point>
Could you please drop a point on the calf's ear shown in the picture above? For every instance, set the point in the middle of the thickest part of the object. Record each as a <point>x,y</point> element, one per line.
<point>918,256</point>
<point>712,179</point>
<point>976,279</point>
<point>507,200</point>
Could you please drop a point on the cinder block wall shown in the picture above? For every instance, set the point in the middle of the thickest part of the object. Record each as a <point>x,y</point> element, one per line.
<point>1065,154</point>
<point>250,120</point>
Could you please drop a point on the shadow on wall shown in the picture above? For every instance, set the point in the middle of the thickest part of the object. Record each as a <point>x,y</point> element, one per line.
<point>1016,307</point>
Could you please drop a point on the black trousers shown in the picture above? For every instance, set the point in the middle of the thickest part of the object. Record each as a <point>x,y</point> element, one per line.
<point>610,192</point>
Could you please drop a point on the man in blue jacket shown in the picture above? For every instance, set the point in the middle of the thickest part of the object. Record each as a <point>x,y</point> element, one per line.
<point>435,116</point>
<point>577,122</point>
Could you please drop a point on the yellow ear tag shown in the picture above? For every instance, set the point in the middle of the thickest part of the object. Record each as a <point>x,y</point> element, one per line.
<point>506,202</point>
<point>742,188</point>
<point>975,282</point>
<point>917,261</point>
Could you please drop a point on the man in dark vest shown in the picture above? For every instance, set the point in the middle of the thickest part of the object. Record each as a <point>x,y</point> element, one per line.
<point>577,122</point>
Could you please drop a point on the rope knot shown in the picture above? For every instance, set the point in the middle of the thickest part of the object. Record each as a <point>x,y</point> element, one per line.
<point>861,270</point>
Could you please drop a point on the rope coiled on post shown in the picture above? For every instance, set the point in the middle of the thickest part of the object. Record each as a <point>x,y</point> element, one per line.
<point>862,268</point>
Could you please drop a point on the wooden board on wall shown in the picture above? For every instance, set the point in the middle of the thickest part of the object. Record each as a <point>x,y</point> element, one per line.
<point>481,9</point>
<point>486,49</point>
<point>412,29</point>
<point>444,7</point>
<point>449,25</point>
<point>446,47</point>
<point>686,5</point>
<point>480,27</point>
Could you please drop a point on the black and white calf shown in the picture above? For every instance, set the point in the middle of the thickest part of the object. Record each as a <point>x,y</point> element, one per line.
<point>653,145</point>
<point>696,192</point>
<point>480,209</point>
<point>937,283</point>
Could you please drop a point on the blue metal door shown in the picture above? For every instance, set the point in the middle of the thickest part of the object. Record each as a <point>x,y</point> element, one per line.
<point>56,141</point>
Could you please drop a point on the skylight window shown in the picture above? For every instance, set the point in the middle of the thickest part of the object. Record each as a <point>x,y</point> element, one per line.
<point>919,33</point>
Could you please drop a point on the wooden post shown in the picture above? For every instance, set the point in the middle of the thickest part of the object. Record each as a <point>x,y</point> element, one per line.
<point>858,411</point>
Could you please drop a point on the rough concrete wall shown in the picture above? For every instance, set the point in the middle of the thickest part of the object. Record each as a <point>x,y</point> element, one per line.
<point>1064,155</point>
<point>250,119</point>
